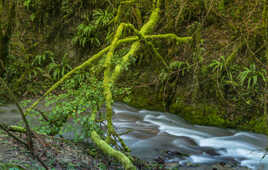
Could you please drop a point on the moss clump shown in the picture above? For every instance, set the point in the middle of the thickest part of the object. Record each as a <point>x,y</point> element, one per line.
<point>258,125</point>
<point>144,98</point>
<point>201,114</point>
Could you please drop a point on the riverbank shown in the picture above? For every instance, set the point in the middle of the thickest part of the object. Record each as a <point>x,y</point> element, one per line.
<point>64,154</point>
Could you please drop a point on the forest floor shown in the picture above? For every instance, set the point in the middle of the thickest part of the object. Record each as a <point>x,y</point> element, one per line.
<point>61,154</point>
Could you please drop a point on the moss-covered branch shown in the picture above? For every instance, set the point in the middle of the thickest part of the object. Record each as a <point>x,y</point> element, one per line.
<point>146,28</point>
<point>100,54</point>
<point>112,152</point>
<point>150,44</point>
<point>68,75</point>
<point>110,79</point>
<point>111,76</point>
<point>107,81</point>
<point>105,147</point>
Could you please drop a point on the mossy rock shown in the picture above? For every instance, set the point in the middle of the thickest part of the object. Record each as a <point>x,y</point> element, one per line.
<point>145,99</point>
<point>201,114</point>
<point>258,125</point>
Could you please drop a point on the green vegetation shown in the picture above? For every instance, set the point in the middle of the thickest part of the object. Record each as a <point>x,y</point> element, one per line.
<point>80,55</point>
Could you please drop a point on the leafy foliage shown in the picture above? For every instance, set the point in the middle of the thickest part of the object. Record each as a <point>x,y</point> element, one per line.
<point>102,18</point>
<point>43,59</point>
<point>36,69</point>
<point>57,70</point>
<point>218,65</point>
<point>180,66</point>
<point>89,34</point>
<point>83,95</point>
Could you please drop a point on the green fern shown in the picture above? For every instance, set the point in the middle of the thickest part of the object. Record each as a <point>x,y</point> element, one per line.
<point>89,34</point>
<point>180,66</point>
<point>43,59</point>
<point>252,75</point>
<point>102,17</point>
<point>85,35</point>
<point>56,71</point>
<point>218,65</point>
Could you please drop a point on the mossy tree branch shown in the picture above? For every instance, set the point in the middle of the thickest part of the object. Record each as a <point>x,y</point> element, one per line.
<point>105,147</point>
<point>110,76</point>
<point>109,80</point>
<point>98,56</point>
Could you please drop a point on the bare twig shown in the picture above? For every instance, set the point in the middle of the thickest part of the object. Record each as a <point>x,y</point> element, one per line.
<point>27,126</point>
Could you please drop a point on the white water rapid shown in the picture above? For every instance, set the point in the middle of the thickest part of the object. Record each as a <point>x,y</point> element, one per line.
<point>157,134</point>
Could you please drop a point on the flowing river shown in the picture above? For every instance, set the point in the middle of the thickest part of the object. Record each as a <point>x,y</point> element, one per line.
<point>158,135</point>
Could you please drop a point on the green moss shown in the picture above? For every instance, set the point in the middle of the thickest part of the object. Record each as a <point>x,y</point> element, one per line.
<point>258,125</point>
<point>201,114</point>
<point>144,98</point>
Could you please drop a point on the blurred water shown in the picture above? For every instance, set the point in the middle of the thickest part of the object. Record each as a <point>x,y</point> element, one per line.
<point>155,134</point>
